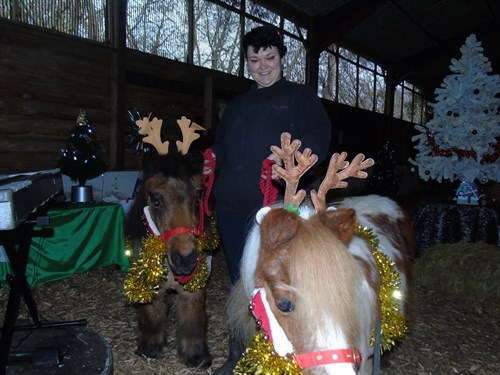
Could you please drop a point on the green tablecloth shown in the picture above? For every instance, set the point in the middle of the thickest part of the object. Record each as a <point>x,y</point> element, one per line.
<point>85,236</point>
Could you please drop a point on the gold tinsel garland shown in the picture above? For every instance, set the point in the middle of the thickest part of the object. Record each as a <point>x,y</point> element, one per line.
<point>392,322</point>
<point>148,271</point>
<point>260,357</point>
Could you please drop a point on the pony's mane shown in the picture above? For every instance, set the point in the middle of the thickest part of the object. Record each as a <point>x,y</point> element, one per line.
<point>329,265</point>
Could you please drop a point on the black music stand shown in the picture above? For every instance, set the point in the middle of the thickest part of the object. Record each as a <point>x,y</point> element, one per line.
<point>20,237</point>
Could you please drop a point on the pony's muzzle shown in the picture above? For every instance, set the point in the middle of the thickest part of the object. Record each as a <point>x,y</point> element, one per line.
<point>183,265</point>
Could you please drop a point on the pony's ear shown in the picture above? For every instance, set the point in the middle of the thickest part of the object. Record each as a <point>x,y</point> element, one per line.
<point>279,227</point>
<point>259,216</point>
<point>195,161</point>
<point>341,222</point>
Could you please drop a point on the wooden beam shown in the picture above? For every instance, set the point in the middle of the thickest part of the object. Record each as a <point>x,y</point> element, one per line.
<point>331,27</point>
<point>405,67</point>
<point>288,11</point>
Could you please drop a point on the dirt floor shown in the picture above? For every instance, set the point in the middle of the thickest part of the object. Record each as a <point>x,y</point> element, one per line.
<point>448,335</point>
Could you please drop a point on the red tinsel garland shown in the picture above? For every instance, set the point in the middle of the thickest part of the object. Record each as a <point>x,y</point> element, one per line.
<point>462,154</point>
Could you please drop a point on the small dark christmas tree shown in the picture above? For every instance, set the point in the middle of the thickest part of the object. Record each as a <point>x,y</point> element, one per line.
<point>384,180</point>
<point>81,160</point>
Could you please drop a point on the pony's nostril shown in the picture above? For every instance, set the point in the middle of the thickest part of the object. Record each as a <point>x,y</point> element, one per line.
<point>183,265</point>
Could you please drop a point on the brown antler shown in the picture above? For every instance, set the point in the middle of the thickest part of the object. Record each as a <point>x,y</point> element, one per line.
<point>335,179</point>
<point>188,129</point>
<point>291,173</point>
<point>153,130</point>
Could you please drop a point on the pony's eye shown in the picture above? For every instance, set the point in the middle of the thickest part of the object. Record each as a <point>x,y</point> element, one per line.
<point>156,202</point>
<point>155,199</point>
<point>285,305</point>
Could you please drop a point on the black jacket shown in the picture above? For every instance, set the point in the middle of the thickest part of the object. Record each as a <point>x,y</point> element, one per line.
<point>250,125</point>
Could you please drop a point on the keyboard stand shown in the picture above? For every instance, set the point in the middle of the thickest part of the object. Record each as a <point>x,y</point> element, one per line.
<point>20,237</point>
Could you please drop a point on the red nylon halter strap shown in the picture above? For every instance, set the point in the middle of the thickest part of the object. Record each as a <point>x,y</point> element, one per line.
<point>304,360</point>
<point>328,357</point>
<point>180,230</point>
<point>208,180</point>
<point>260,314</point>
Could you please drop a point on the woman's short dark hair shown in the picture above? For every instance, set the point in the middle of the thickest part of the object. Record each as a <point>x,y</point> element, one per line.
<point>262,37</point>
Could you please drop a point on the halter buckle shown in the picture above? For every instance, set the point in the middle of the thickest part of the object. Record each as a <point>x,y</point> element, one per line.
<point>357,359</point>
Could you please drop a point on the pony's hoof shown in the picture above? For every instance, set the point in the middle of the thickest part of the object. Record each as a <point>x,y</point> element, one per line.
<point>202,362</point>
<point>200,359</point>
<point>150,350</point>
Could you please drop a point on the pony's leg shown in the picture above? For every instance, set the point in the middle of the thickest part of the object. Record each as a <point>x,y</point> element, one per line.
<point>151,323</point>
<point>242,328</point>
<point>192,328</point>
<point>236,348</point>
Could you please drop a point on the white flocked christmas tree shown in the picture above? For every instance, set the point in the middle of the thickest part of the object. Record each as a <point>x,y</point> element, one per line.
<point>461,141</point>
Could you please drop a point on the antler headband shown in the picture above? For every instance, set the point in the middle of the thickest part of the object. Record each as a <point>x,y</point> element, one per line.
<point>338,170</point>
<point>152,130</point>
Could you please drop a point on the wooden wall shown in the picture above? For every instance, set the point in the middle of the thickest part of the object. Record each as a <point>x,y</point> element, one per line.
<point>44,81</point>
<point>47,77</point>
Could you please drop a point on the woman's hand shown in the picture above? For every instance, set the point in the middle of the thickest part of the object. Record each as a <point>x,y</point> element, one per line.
<point>277,160</point>
<point>208,162</point>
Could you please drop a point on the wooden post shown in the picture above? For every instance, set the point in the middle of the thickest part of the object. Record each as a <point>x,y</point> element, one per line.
<point>312,59</point>
<point>118,84</point>
<point>207,102</point>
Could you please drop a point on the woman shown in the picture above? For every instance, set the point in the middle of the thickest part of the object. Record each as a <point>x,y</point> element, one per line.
<point>250,125</point>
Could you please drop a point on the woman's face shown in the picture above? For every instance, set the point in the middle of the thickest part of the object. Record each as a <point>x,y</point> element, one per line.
<point>264,66</point>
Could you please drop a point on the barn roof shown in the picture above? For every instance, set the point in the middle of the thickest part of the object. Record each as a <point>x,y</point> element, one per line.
<point>414,39</point>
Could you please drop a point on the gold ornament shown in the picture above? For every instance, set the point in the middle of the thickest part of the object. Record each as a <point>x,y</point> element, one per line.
<point>260,358</point>
<point>392,322</point>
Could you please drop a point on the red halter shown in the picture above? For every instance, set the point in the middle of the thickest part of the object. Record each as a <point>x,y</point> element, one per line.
<point>304,360</point>
<point>165,236</point>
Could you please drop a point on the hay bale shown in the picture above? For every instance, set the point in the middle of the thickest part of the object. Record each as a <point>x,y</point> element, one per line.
<point>465,270</point>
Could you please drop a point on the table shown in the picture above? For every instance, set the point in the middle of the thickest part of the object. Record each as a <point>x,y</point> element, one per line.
<point>80,237</point>
<point>448,222</point>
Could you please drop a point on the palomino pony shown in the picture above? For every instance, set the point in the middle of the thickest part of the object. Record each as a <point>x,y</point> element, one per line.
<point>170,258</point>
<point>317,278</point>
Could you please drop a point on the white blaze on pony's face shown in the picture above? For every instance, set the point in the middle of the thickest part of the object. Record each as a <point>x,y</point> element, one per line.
<point>311,280</point>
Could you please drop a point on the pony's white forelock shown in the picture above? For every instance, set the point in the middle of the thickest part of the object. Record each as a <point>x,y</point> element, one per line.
<point>252,245</point>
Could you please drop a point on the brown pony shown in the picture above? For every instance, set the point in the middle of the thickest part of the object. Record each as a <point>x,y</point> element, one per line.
<point>172,186</point>
<point>317,278</point>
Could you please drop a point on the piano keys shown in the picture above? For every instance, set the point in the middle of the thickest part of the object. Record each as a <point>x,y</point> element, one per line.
<point>22,194</point>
